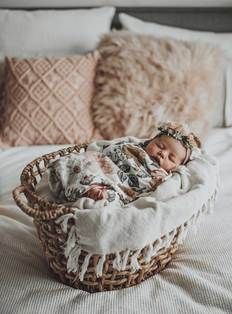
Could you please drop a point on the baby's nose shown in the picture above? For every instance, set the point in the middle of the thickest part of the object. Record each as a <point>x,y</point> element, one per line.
<point>163,153</point>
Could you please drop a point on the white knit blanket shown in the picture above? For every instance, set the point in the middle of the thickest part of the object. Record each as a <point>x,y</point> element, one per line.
<point>151,220</point>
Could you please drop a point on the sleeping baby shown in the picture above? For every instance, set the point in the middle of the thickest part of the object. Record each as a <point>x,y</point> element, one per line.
<point>122,170</point>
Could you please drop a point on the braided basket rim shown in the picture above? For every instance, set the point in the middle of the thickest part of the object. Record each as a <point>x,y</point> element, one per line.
<point>51,210</point>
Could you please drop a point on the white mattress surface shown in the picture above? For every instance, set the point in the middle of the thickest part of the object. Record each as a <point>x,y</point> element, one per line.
<point>198,280</point>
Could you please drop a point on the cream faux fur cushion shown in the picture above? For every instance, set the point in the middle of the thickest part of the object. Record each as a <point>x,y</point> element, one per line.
<point>141,80</point>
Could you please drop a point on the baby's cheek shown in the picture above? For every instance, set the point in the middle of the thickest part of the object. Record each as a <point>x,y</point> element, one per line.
<point>154,152</point>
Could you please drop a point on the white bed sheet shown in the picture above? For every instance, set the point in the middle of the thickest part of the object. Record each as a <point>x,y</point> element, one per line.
<point>199,280</point>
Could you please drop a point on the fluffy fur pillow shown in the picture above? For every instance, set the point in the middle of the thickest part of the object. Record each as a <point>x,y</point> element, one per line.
<point>141,80</point>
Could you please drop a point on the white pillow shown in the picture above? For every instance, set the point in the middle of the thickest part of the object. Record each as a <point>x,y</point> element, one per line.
<point>228,98</point>
<point>224,40</point>
<point>52,32</point>
<point>223,112</point>
<point>48,33</point>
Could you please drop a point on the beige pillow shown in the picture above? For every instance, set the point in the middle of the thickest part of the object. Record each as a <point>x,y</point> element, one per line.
<point>47,100</point>
<point>141,80</point>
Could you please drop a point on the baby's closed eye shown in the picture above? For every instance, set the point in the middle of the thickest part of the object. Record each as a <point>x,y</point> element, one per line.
<point>160,145</point>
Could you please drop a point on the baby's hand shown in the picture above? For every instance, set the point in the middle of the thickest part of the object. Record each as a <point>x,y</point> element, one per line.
<point>158,174</point>
<point>97,192</point>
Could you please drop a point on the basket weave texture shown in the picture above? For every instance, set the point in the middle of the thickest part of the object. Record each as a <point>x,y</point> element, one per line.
<point>53,238</point>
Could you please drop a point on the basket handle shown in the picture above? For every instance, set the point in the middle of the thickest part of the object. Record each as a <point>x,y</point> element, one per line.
<point>37,213</point>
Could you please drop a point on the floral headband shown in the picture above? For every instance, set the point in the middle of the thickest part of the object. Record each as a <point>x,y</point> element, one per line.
<point>181,133</point>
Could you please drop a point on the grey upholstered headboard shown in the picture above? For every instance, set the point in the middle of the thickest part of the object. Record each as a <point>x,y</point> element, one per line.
<point>205,19</point>
<point>217,19</point>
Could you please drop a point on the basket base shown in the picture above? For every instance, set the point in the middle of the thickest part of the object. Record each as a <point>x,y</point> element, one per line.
<point>116,280</point>
<point>53,240</point>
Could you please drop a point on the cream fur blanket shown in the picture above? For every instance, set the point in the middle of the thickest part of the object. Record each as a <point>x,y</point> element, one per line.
<point>178,202</point>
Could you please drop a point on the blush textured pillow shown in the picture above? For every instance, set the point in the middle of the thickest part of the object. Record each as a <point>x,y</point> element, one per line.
<point>47,100</point>
<point>141,80</point>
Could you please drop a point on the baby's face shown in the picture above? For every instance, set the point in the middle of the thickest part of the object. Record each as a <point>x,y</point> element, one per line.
<point>168,152</point>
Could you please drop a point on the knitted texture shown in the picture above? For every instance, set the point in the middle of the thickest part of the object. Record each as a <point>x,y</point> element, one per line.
<point>47,100</point>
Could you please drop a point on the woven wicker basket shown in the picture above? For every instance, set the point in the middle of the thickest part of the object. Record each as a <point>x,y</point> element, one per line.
<point>53,238</point>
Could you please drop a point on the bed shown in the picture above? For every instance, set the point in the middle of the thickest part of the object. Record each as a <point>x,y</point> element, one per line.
<point>198,280</point>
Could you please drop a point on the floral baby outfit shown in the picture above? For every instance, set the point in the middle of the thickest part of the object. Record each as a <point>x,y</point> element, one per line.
<point>124,171</point>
